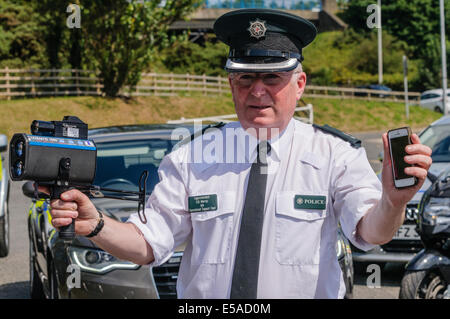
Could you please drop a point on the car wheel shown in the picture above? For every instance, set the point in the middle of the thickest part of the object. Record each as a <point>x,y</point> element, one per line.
<point>4,231</point>
<point>422,285</point>
<point>438,109</point>
<point>36,288</point>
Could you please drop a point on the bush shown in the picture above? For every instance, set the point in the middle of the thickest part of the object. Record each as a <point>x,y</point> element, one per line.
<point>350,59</point>
<point>188,57</point>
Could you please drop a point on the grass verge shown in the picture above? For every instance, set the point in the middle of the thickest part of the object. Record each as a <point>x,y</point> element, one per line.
<point>346,115</point>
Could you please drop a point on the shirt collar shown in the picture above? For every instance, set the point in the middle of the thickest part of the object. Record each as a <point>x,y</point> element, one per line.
<point>247,143</point>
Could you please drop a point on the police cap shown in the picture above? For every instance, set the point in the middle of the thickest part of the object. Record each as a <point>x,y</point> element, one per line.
<point>263,40</point>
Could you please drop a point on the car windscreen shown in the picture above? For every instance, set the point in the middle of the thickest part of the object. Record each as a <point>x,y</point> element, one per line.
<point>120,164</point>
<point>438,139</point>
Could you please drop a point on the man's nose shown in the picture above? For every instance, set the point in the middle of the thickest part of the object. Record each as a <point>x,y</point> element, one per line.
<point>258,88</point>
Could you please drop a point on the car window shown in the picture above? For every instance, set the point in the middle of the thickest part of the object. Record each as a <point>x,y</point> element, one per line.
<point>120,164</point>
<point>429,96</point>
<point>438,139</point>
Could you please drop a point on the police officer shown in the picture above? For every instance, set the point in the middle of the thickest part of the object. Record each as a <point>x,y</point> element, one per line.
<point>259,216</point>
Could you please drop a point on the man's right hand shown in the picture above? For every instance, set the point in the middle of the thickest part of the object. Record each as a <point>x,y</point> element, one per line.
<point>122,240</point>
<point>73,204</point>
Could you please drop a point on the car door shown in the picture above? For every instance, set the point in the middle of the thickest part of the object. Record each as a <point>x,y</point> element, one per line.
<point>430,100</point>
<point>425,100</point>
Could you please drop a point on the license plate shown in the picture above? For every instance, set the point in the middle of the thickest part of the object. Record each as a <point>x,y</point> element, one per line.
<point>407,232</point>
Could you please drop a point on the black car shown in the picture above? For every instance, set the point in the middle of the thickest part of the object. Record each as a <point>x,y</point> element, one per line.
<point>123,152</point>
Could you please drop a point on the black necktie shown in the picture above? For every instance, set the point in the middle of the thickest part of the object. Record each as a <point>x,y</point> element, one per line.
<point>245,275</point>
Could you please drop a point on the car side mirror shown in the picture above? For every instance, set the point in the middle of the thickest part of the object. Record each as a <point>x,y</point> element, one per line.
<point>28,191</point>
<point>3,143</point>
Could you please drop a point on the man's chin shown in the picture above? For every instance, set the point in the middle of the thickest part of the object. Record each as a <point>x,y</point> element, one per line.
<point>260,122</point>
<point>261,127</point>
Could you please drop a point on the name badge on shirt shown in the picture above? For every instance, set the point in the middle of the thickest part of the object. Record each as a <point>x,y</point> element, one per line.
<point>202,203</point>
<point>310,202</point>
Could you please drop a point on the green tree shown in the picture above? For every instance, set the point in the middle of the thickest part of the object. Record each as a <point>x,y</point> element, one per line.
<point>122,37</point>
<point>188,57</point>
<point>415,22</point>
<point>364,57</point>
<point>408,20</point>
<point>52,17</point>
<point>19,36</point>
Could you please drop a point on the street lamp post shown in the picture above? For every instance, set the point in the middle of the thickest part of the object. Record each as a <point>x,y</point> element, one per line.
<point>444,59</point>
<point>380,45</point>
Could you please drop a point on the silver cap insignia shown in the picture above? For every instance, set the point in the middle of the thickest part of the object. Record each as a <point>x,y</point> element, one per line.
<point>257,28</point>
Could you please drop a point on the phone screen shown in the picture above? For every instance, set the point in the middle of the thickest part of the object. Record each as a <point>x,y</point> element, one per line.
<point>398,145</point>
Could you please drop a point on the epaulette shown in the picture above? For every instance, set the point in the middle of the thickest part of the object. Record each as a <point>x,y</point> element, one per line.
<point>199,133</point>
<point>354,142</point>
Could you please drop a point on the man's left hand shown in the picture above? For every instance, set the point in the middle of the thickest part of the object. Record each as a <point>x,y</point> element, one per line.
<point>419,155</point>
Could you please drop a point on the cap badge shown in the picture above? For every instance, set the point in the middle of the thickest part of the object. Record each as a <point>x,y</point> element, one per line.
<point>257,29</point>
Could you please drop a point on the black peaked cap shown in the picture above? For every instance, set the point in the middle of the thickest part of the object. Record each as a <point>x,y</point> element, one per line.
<point>264,37</point>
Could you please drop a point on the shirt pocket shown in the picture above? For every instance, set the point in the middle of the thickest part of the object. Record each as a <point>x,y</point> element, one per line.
<point>298,230</point>
<point>212,230</point>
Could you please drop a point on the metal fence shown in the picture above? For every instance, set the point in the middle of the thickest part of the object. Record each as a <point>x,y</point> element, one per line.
<point>72,82</point>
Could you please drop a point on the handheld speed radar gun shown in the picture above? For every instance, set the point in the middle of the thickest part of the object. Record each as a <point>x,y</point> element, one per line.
<point>56,154</point>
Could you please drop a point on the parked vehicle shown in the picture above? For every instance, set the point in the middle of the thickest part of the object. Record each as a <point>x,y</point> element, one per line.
<point>406,242</point>
<point>4,199</point>
<point>123,153</point>
<point>427,275</point>
<point>377,87</point>
<point>432,99</point>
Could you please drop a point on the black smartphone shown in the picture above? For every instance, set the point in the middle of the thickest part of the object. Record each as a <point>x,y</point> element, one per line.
<point>398,140</point>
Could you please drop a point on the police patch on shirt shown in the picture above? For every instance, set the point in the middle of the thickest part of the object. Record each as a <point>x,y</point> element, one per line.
<point>310,202</point>
<point>202,203</point>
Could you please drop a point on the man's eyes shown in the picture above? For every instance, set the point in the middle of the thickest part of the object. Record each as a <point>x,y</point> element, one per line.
<point>264,77</point>
<point>272,77</point>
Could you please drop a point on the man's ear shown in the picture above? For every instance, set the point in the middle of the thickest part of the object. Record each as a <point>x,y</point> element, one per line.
<point>301,84</point>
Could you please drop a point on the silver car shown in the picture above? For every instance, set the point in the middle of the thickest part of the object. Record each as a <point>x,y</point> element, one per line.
<point>4,197</point>
<point>432,99</point>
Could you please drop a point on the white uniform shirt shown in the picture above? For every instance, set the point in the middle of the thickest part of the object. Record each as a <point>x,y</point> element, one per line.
<point>298,249</point>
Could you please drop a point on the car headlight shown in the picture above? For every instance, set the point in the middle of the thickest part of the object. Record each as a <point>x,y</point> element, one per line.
<point>97,261</point>
<point>437,211</point>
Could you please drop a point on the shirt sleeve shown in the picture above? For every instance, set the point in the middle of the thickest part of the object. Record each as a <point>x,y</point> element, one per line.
<point>356,189</point>
<point>168,223</point>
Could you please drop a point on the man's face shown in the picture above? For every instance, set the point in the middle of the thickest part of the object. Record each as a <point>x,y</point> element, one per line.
<point>266,100</point>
